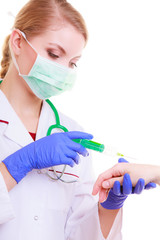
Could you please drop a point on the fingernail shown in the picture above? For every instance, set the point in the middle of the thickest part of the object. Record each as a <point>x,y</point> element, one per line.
<point>105,184</point>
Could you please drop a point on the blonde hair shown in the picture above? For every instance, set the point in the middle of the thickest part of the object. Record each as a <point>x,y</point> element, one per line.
<point>36,16</point>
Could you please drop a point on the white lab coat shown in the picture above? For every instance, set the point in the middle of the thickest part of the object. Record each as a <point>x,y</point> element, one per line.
<point>38,208</point>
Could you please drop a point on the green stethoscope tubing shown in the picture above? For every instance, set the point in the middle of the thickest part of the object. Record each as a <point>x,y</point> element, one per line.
<point>64,129</point>
<point>57,125</point>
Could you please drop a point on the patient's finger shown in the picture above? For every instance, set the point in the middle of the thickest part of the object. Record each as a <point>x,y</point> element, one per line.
<point>102,177</point>
<point>107,184</point>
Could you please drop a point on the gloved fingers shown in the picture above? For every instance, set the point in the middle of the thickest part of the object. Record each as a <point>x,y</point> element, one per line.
<point>79,135</point>
<point>139,186</point>
<point>68,161</point>
<point>127,184</point>
<point>78,148</point>
<point>117,188</point>
<point>72,154</point>
<point>150,185</point>
<point>120,160</point>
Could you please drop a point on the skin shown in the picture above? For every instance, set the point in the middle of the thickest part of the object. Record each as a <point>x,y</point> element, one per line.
<point>106,180</point>
<point>49,44</point>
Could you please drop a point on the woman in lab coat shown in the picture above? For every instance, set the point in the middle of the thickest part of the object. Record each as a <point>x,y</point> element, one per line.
<point>39,58</point>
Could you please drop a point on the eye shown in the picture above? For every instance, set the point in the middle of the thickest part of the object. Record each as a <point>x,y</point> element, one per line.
<point>73,65</point>
<point>52,55</point>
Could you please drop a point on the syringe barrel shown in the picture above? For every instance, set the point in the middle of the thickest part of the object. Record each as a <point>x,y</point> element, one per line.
<point>91,144</point>
<point>107,150</point>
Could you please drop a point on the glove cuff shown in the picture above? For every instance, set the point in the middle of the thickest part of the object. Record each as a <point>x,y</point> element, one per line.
<point>15,167</point>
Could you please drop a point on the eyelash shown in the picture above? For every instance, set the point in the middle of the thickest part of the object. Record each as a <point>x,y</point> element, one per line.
<point>74,64</point>
<point>52,55</point>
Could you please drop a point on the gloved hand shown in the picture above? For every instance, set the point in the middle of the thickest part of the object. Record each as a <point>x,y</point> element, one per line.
<point>52,150</point>
<point>138,189</point>
<point>117,195</point>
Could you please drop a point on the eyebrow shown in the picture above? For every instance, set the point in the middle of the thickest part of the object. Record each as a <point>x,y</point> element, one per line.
<point>61,49</point>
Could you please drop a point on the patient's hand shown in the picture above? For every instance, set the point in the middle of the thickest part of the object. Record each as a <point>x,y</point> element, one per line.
<point>105,181</point>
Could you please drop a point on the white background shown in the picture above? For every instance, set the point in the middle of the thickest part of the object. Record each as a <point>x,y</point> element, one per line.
<point>117,94</point>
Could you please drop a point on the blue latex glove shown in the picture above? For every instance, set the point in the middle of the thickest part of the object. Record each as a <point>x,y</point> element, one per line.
<point>52,150</point>
<point>117,195</point>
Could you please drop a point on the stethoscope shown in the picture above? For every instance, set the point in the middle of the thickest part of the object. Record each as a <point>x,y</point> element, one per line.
<point>49,132</point>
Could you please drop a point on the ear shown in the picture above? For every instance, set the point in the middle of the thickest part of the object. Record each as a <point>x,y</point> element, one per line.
<point>16,39</point>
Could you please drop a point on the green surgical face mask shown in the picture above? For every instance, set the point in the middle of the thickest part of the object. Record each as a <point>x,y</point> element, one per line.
<point>47,78</point>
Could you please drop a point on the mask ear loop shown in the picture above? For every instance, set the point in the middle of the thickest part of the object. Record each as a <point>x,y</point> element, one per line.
<point>12,54</point>
<point>24,36</point>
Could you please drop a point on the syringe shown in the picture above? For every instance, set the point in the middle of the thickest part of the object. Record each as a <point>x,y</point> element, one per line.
<point>108,150</point>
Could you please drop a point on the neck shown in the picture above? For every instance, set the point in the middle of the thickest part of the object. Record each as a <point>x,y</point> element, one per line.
<point>20,96</point>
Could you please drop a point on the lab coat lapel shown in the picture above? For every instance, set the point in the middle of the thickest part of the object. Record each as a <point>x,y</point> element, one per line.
<point>15,130</point>
<point>47,118</point>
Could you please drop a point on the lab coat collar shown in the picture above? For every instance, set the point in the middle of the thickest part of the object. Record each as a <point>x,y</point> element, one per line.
<point>15,129</point>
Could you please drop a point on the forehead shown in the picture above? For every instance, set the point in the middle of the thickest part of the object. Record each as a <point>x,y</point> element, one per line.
<point>66,36</point>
